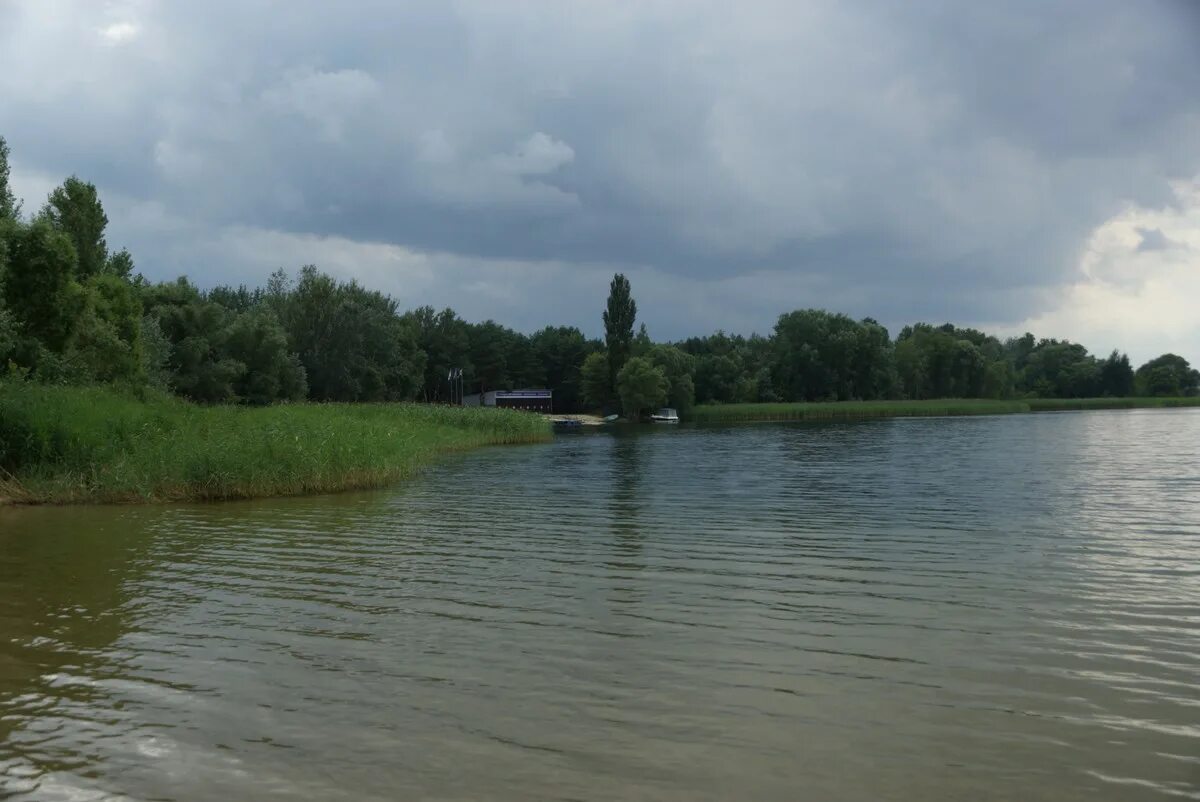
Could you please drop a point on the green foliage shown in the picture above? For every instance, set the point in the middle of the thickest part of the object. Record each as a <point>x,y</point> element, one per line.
<point>642,386</point>
<point>619,316</point>
<point>1167,375</point>
<point>445,340</point>
<point>501,358</point>
<point>10,207</point>
<point>107,343</point>
<point>561,353</point>
<point>39,286</point>
<point>594,381</point>
<point>269,371</point>
<point>1116,376</point>
<point>9,331</point>
<point>120,264</point>
<point>824,356</point>
<point>77,444</point>
<point>195,328</point>
<point>156,355</point>
<point>1061,369</point>
<point>948,362</point>
<point>9,334</point>
<point>732,369</point>
<point>678,367</point>
<point>74,209</point>
<point>351,342</point>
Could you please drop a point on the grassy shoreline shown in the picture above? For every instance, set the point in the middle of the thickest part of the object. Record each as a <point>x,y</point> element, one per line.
<point>65,445</point>
<point>858,410</point>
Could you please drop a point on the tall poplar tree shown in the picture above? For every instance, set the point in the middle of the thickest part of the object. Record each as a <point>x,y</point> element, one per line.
<point>619,317</point>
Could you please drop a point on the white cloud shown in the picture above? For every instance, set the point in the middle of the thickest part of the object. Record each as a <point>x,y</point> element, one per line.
<point>538,155</point>
<point>119,33</point>
<point>1141,300</point>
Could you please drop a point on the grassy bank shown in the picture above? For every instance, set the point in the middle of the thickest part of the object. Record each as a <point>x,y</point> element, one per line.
<point>854,410</point>
<point>71,444</point>
<point>1063,404</point>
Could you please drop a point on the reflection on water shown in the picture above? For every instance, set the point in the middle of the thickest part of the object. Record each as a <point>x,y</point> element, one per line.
<point>978,608</point>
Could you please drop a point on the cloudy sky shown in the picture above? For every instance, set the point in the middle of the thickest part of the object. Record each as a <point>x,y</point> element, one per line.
<point>1009,165</point>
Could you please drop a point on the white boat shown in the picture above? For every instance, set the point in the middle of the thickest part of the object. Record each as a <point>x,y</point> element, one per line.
<point>664,415</point>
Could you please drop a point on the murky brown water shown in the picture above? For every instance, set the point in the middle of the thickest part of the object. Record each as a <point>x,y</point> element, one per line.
<point>979,608</point>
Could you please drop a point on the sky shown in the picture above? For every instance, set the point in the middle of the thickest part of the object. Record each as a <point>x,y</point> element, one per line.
<point>1014,166</point>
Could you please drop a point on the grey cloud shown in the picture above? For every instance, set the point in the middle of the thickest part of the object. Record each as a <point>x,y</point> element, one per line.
<point>932,158</point>
<point>1153,239</point>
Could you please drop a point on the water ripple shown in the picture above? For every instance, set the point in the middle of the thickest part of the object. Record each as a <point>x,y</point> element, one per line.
<point>985,608</point>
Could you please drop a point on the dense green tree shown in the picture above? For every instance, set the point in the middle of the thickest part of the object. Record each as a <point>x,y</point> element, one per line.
<point>120,264</point>
<point>873,372</point>
<point>9,331</point>
<point>156,354</point>
<point>949,362</point>
<point>561,351</point>
<point>272,373</point>
<point>1116,375</point>
<point>195,328</point>
<point>619,317</point>
<point>9,338</point>
<point>445,340</point>
<point>107,342</point>
<point>998,379</point>
<point>75,209</point>
<point>1061,369</point>
<point>824,356</point>
<point>216,354</point>
<point>238,299</point>
<point>642,386</point>
<point>351,342</point>
<point>10,208</point>
<point>594,381</point>
<point>642,344</point>
<point>1167,375</point>
<point>502,358</point>
<point>679,367</point>
<point>719,379</point>
<point>39,286</point>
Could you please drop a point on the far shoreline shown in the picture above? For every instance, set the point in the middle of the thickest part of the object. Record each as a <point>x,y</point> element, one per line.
<point>863,410</point>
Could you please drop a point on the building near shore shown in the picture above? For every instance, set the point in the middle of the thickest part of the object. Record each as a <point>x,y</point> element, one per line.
<point>531,400</point>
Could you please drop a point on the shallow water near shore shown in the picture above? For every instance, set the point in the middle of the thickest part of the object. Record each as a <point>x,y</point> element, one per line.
<point>915,609</point>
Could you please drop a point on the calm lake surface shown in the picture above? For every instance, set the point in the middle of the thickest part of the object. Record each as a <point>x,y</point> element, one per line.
<point>1001,608</point>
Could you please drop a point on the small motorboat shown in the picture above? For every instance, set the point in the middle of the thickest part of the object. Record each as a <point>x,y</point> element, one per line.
<point>567,423</point>
<point>664,415</point>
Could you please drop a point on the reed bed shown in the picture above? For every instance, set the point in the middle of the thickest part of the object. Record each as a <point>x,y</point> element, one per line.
<point>1063,404</point>
<point>85,444</point>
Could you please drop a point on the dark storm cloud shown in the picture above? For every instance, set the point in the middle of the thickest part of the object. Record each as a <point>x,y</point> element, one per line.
<point>929,159</point>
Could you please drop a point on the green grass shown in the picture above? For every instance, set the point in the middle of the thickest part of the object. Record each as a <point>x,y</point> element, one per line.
<point>76,444</point>
<point>1057,404</point>
<point>854,410</point>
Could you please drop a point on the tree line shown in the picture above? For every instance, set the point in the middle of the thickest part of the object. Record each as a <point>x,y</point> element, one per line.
<point>74,311</point>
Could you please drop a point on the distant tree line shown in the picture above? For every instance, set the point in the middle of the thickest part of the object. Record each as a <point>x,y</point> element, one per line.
<point>73,311</point>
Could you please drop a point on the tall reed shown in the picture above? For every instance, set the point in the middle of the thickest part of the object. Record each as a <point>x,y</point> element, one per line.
<point>79,444</point>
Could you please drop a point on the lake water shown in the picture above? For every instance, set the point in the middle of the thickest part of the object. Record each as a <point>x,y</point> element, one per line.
<point>1002,608</point>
